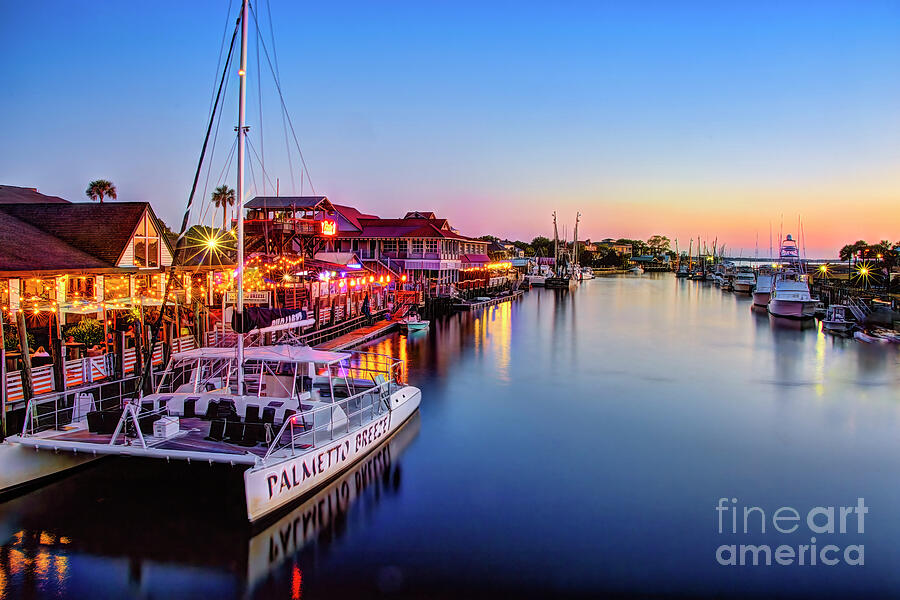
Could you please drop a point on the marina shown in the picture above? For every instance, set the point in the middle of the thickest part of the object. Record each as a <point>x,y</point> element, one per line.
<point>444,301</point>
<point>794,388</point>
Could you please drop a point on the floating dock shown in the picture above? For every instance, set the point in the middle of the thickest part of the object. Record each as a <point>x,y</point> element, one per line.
<point>492,301</point>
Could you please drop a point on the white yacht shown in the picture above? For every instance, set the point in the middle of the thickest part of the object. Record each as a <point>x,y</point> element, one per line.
<point>838,319</point>
<point>293,417</point>
<point>790,297</point>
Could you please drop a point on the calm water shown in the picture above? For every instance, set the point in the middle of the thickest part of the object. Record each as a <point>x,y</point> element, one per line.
<point>569,443</point>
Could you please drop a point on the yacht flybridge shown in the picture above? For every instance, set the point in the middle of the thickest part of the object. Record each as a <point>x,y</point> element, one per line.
<point>303,417</point>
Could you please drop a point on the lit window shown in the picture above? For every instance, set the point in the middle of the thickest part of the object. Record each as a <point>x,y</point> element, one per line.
<point>146,244</point>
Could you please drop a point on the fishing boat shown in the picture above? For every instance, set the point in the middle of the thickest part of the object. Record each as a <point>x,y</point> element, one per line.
<point>838,319</point>
<point>586,273</point>
<point>744,280</point>
<point>412,322</point>
<point>765,280</point>
<point>682,272</point>
<point>291,416</point>
<point>790,297</point>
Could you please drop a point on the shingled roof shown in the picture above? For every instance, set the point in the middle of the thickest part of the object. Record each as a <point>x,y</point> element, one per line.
<point>20,241</point>
<point>11,194</point>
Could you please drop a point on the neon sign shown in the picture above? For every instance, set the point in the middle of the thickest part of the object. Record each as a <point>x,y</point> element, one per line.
<point>329,227</point>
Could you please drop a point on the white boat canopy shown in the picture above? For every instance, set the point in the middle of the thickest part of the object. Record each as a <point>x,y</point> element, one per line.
<point>283,353</point>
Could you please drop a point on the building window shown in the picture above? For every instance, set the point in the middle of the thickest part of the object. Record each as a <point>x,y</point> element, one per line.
<point>79,288</point>
<point>37,289</point>
<point>146,244</point>
<point>389,246</point>
<point>417,246</point>
<point>431,246</point>
<point>116,286</point>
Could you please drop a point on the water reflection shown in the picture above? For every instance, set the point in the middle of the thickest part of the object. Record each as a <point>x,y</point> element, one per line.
<point>132,541</point>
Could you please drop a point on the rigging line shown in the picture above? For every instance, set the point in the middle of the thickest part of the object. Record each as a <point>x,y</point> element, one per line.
<point>262,145</point>
<point>284,105</point>
<point>252,177</point>
<point>261,166</point>
<point>208,201</point>
<point>221,49</point>
<point>179,243</point>
<point>212,152</point>
<point>287,143</point>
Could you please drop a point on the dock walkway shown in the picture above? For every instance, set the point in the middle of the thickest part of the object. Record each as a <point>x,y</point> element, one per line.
<point>359,336</point>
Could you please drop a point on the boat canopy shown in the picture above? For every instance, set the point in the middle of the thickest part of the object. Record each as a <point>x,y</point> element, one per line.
<point>282,353</point>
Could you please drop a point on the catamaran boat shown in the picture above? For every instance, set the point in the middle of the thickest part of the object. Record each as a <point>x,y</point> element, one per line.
<point>744,280</point>
<point>764,283</point>
<point>838,319</point>
<point>293,418</point>
<point>790,297</point>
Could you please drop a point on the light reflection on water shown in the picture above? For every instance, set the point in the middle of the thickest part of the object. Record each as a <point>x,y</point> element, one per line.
<point>570,443</point>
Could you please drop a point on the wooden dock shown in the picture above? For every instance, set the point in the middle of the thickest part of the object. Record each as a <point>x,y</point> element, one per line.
<point>360,336</point>
<point>491,302</point>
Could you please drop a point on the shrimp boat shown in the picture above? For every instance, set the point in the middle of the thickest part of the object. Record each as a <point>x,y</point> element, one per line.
<point>790,297</point>
<point>292,417</point>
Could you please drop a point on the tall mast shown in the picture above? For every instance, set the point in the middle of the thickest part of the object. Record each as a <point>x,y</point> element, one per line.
<point>555,245</point>
<point>242,132</point>
<point>575,240</point>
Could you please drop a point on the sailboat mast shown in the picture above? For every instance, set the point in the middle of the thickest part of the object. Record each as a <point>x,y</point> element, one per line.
<point>555,245</point>
<point>242,132</point>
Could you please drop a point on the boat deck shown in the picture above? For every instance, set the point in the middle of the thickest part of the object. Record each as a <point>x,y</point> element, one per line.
<point>194,436</point>
<point>359,336</point>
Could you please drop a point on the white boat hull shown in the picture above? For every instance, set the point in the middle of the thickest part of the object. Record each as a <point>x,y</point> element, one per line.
<point>20,465</point>
<point>746,288</point>
<point>536,280</point>
<point>269,487</point>
<point>761,298</point>
<point>793,309</point>
<point>415,326</point>
<point>839,326</point>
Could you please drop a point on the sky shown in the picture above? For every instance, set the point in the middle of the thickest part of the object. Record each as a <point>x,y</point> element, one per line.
<point>676,118</point>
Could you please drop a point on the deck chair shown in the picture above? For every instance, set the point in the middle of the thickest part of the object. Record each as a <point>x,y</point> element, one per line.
<point>216,430</point>
<point>252,414</point>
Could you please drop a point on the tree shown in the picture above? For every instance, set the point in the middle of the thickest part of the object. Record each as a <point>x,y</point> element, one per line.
<point>223,197</point>
<point>659,244</point>
<point>100,189</point>
<point>489,238</point>
<point>542,246</point>
<point>848,251</point>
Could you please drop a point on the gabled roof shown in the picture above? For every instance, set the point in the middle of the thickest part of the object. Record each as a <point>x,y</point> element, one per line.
<point>11,194</point>
<point>350,216</point>
<point>417,214</point>
<point>18,244</point>
<point>101,230</point>
<point>310,202</point>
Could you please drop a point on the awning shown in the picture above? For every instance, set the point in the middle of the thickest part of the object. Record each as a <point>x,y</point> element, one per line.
<point>346,259</point>
<point>475,259</point>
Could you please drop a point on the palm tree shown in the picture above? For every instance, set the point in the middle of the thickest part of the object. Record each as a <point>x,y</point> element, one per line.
<point>223,197</point>
<point>99,189</point>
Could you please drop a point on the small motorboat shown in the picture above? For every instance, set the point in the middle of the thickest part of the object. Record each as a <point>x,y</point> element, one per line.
<point>836,319</point>
<point>763,291</point>
<point>871,339</point>
<point>682,272</point>
<point>636,269</point>
<point>412,322</point>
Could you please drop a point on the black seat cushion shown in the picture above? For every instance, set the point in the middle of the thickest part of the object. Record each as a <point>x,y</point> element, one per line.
<point>216,430</point>
<point>212,410</point>
<point>234,431</point>
<point>252,414</point>
<point>95,421</point>
<point>189,405</point>
<point>225,409</point>
<point>268,415</point>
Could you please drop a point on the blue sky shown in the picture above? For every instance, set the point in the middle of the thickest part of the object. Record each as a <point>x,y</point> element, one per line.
<point>681,118</point>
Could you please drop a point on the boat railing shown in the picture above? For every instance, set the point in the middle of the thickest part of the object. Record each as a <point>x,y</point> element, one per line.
<point>58,410</point>
<point>311,428</point>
